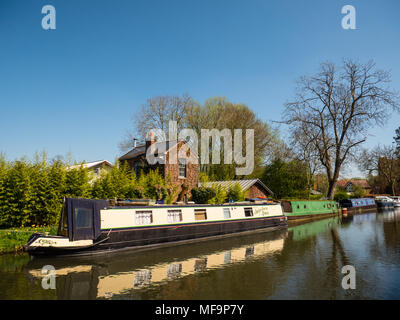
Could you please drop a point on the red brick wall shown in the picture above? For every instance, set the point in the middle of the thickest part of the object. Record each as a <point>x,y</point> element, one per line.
<point>192,173</point>
<point>256,192</point>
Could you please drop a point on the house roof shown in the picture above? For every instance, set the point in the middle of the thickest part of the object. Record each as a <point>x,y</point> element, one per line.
<point>244,184</point>
<point>134,152</point>
<point>362,182</point>
<point>162,145</point>
<point>92,164</point>
<point>359,182</point>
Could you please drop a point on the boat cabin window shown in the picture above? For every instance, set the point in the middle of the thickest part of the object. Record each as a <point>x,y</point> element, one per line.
<point>200,264</point>
<point>144,217</point>
<point>83,218</point>
<point>142,277</point>
<point>248,212</point>
<point>174,270</point>
<point>305,206</point>
<point>174,216</point>
<point>200,214</point>
<point>249,252</point>
<point>227,213</point>
<point>63,227</point>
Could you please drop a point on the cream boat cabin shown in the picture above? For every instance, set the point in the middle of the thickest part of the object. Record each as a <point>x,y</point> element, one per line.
<point>93,226</point>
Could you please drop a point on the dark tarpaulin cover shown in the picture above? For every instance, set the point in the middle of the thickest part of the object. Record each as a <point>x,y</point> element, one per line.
<point>92,232</point>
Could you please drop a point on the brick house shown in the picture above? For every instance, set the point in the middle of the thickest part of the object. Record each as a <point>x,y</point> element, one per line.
<point>176,160</point>
<point>253,188</point>
<point>348,185</point>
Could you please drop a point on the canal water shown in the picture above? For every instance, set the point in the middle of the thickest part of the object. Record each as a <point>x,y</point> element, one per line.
<point>303,262</point>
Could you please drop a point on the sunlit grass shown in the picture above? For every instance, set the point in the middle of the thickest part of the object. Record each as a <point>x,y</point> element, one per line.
<point>13,240</point>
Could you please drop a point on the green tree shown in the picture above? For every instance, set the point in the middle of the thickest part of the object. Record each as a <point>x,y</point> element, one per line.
<point>77,183</point>
<point>358,192</point>
<point>286,179</point>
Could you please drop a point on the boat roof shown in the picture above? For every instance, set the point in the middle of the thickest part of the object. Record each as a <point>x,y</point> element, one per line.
<point>162,206</point>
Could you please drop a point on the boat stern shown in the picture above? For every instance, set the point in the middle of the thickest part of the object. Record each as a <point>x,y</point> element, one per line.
<point>39,244</point>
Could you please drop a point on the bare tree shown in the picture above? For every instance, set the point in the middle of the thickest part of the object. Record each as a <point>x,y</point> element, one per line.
<point>304,151</point>
<point>383,161</point>
<point>335,108</point>
<point>156,114</point>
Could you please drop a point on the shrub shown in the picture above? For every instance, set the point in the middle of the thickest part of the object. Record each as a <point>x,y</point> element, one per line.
<point>236,193</point>
<point>341,195</point>
<point>203,194</point>
<point>220,195</point>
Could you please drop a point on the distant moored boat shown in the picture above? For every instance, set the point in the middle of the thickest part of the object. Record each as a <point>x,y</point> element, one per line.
<point>303,209</point>
<point>384,202</point>
<point>396,201</point>
<point>358,204</point>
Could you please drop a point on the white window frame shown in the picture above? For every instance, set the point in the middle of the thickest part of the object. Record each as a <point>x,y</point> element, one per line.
<point>143,217</point>
<point>174,216</point>
<point>227,213</point>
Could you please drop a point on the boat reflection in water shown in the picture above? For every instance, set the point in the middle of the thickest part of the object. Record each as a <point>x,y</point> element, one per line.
<point>112,276</point>
<point>299,231</point>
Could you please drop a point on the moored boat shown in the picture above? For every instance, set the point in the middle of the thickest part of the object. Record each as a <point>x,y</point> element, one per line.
<point>396,201</point>
<point>384,202</point>
<point>358,204</point>
<point>304,209</point>
<point>94,226</point>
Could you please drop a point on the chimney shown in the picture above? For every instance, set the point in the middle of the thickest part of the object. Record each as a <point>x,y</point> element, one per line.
<point>150,139</point>
<point>134,142</point>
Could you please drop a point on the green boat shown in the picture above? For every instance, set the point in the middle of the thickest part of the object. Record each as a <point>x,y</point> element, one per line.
<point>306,209</point>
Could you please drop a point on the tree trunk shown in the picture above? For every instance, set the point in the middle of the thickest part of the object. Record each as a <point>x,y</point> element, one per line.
<point>332,184</point>
<point>331,189</point>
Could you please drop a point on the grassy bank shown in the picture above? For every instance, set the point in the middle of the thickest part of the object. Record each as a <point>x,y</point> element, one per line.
<point>12,240</point>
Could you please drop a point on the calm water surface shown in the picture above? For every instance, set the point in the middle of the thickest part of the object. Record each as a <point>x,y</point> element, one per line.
<point>302,262</point>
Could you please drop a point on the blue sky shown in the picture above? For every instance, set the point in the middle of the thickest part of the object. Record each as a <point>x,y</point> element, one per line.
<point>75,89</point>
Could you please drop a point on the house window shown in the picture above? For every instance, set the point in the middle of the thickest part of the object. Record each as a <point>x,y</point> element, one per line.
<point>200,214</point>
<point>174,216</point>
<point>96,171</point>
<point>248,212</point>
<point>182,168</point>
<point>144,217</point>
<point>227,213</point>
<point>136,168</point>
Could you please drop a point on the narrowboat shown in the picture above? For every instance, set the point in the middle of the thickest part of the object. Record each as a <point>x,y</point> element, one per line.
<point>98,226</point>
<point>384,202</point>
<point>304,209</point>
<point>358,205</point>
